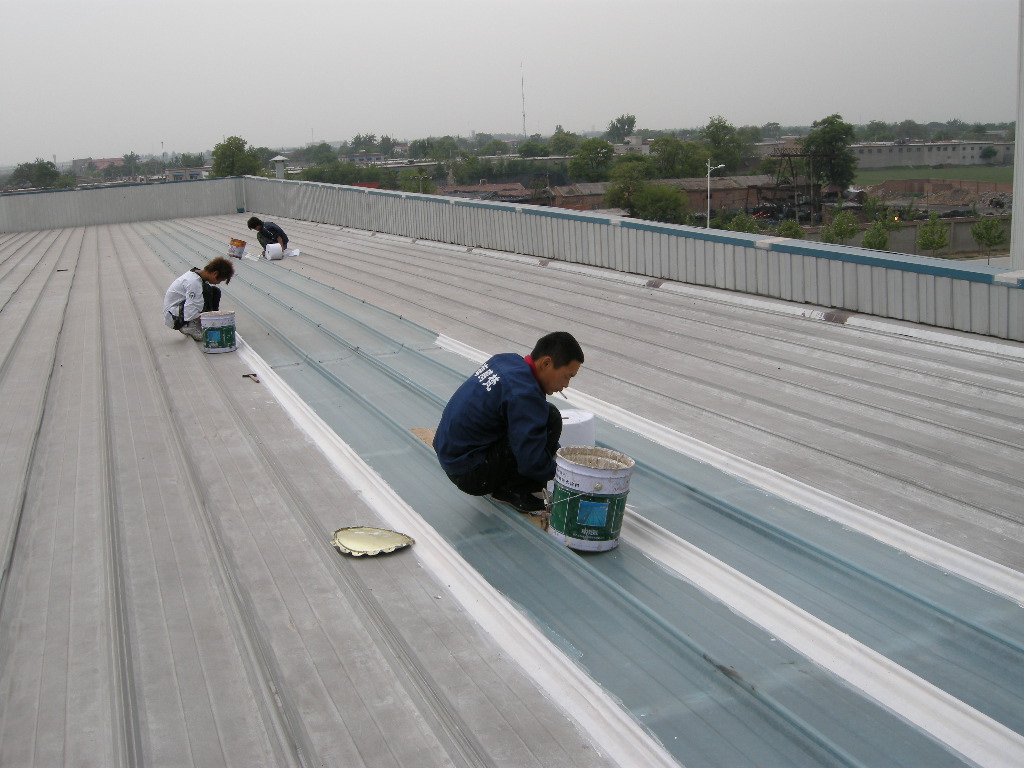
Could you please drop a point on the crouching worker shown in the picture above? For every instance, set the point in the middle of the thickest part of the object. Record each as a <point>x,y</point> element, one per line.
<point>498,434</point>
<point>193,293</point>
<point>268,232</point>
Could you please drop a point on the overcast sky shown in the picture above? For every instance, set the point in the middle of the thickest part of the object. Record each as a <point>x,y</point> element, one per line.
<point>100,78</point>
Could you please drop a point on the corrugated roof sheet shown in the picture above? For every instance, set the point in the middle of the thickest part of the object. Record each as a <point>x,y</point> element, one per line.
<point>822,564</point>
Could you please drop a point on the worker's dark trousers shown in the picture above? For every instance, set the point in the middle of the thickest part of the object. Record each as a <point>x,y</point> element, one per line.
<point>499,469</point>
<point>265,241</point>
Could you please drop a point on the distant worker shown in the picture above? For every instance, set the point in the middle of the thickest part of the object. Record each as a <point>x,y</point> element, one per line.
<point>498,434</point>
<point>193,293</point>
<point>268,232</point>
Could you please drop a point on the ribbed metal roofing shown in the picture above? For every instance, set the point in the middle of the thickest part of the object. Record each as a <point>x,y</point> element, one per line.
<point>821,563</point>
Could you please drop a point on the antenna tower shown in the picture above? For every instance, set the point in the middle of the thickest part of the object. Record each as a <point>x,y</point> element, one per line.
<point>522,90</point>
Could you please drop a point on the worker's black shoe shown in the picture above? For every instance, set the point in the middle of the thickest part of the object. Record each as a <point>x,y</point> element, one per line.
<point>523,502</point>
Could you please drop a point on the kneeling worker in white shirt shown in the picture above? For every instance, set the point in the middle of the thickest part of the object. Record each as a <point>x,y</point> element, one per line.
<point>193,293</point>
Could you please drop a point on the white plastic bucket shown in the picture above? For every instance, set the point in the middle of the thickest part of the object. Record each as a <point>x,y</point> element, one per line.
<point>274,252</point>
<point>591,485</point>
<point>218,331</point>
<point>577,427</point>
<point>236,249</point>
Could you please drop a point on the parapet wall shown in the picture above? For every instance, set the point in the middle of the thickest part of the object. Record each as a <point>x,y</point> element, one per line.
<point>965,297</point>
<point>947,294</point>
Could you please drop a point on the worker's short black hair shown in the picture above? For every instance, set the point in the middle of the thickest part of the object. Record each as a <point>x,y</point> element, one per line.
<point>221,267</point>
<point>560,346</point>
<point>254,223</point>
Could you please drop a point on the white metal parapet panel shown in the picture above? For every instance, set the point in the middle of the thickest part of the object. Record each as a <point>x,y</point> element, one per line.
<point>980,297</point>
<point>810,282</point>
<point>674,258</point>
<point>894,293</point>
<point>911,286</point>
<point>1015,314</point>
<point>879,291</point>
<point>926,298</point>
<point>823,283</point>
<point>961,304</point>
<point>836,284</point>
<point>864,297</point>
<point>943,301</point>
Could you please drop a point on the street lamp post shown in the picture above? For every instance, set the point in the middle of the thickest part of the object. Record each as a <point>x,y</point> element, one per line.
<point>707,221</point>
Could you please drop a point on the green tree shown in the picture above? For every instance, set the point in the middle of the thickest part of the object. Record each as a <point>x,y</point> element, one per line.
<point>744,222</point>
<point>42,174</point>
<point>988,153</point>
<point>933,235</point>
<point>415,180</point>
<point>619,128</point>
<point>187,160</point>
<point>533,148</point>
<point>833,161</point>
<point>910,129</point>
<point>988,233</point>
<point>564,142</point>
<point>877,130</point>
<point>840,230</point>
<point>723,143</point>
<point>131,164</point>
<point>657,202</point>
<point>444,148</point>
<point>790,228</point>
<point>333,172</point>
<point>233,157</point>
<point>876,237</point>
<point>675,159</point>
<point>493,147</point>
<point>592,161</point>
<point>627,178</point>
<point>421,148</point>
<point>364,142</point>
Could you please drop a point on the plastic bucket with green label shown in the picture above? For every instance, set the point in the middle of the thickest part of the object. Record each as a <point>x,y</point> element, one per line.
<point>589,501</point>
<point>218,331</point>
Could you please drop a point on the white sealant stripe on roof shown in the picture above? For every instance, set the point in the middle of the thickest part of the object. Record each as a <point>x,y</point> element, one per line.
<point>945,718</point>
<point>606,722</point>
<point>979,570</point>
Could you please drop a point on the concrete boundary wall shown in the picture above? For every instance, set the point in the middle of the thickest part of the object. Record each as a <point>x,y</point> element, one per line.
<point>966,297</point>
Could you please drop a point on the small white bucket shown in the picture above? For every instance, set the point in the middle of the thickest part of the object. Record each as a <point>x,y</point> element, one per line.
<point>274,252</point>
<point>218,331</point>
<point>577,427</point>
<point>236,249</point>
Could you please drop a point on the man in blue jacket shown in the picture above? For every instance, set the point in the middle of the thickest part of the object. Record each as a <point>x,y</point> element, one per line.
<point>498,434</point>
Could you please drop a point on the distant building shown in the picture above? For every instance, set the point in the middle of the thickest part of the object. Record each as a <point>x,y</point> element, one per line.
<point>894,154</point>
<point>633,145</point>
<point>585,196</point>
<point>81,166</point>
<point>187,174</point>
<point>770,147</point>
<point>513,192</point>
<point>366,158</point>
